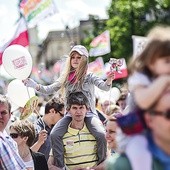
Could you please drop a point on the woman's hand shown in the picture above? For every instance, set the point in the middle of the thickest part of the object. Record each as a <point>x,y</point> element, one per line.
<point>31,83</point>
<point>110,77</point>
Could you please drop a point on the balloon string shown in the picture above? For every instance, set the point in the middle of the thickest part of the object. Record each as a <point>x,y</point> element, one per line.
<point>28,93</point>
<point>110,96</point>
<point>29,99</point>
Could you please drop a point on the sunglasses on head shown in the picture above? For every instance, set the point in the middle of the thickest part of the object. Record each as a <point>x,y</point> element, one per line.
<point>14,135</point>
<point>62,115</point>
<point>165,114</point>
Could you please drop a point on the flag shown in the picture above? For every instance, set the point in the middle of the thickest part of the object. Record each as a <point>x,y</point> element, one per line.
<point>122,73</point>
<point>35,11</point>
<point>97,67</point>
<point>100,45</point>
<point>139,43</point>
<point>17,35</point>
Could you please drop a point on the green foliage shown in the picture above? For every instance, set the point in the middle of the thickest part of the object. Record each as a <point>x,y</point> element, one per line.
<point>127,18</point>
<point>133,17</point>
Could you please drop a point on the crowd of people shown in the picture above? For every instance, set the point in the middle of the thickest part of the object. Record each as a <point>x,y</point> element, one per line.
<point>132,133</point>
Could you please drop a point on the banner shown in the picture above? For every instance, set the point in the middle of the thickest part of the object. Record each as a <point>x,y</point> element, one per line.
<point>36,10</point>
<point>97,67</point>
<point>17,35</point>
<point>100,45</point>
<point>139,43</point>
<point>122,73</point>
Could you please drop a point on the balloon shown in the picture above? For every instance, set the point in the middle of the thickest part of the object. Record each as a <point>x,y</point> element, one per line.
<point>18,93</point>
<point>115,93</point>
<point>17,61</point>
<point>112,95</point>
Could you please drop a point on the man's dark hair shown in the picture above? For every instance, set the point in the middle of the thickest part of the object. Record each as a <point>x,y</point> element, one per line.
<point>77,98</point>
<point>55,103</point>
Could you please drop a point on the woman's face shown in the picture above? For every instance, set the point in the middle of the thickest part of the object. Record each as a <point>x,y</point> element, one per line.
<point>111,134</point>
<point>75,60</point>
<point>161,66</point>
<point>16,137</point>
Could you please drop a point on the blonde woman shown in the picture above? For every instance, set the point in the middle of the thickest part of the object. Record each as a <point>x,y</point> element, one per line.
<point>75,78</point>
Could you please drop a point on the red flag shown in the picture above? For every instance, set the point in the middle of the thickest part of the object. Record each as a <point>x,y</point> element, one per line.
<point>18,35</point>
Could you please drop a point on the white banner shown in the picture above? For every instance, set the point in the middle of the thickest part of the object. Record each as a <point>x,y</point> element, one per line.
<point>139,44</point>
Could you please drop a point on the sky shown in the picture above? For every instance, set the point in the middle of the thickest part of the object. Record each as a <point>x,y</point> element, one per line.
<point>70,12</point>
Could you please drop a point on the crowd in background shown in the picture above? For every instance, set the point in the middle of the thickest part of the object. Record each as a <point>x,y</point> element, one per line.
<point>80,131</point>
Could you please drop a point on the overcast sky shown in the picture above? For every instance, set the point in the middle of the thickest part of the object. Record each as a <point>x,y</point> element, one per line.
<point>70,12</point>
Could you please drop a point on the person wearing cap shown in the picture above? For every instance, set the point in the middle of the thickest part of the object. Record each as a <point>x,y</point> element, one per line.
<point>75,78</point>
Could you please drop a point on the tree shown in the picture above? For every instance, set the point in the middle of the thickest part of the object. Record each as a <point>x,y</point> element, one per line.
<point>133,17</point>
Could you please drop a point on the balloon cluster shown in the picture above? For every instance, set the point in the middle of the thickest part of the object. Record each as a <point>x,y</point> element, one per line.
<point>17,62</point>
<point>115,64</point>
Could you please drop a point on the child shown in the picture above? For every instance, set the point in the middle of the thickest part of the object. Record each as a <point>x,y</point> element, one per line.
<point>76,78</point>
<point>149,78</point>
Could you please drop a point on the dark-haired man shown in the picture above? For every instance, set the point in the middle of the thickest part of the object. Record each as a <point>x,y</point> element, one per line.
<point>54,111</point>
<point>80,146</point>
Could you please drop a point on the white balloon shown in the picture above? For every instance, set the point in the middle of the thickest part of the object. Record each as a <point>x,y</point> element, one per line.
<point>112,95</point>
<point>18,93</point>
<point>115,93</point>
<point>17,61</point>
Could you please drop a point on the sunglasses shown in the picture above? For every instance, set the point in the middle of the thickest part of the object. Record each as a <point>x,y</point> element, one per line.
<point>14,135</point>
<point>62,115</point>
<point>165,114</point>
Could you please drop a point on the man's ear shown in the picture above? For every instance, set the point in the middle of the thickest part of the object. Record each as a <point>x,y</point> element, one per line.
<point>25,138</point>
<point>52,111</point>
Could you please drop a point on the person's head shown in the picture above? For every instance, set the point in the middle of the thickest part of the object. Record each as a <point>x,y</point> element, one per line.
<point>121,102</point>
<point>110,135</point>
<point>78,57</point>
<point>113,108</point>
<point>5,112</point>
<point>157,119</point>
<point>77,61</point>
<point>54,110</point>
<point>77,105</point>
<point>23,132</point>
<point>105,103</point>
<point>154,60</point>
<point>159,32</point>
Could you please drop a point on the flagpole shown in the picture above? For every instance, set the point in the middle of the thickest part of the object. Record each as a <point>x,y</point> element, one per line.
<point>22,16</point>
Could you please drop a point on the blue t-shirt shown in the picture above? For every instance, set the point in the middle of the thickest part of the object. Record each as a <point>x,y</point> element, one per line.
<point>158,153</point>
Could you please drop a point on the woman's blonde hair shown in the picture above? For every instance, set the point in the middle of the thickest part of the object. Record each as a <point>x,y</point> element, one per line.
<point>112,109</point>
<point>80,72</point>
